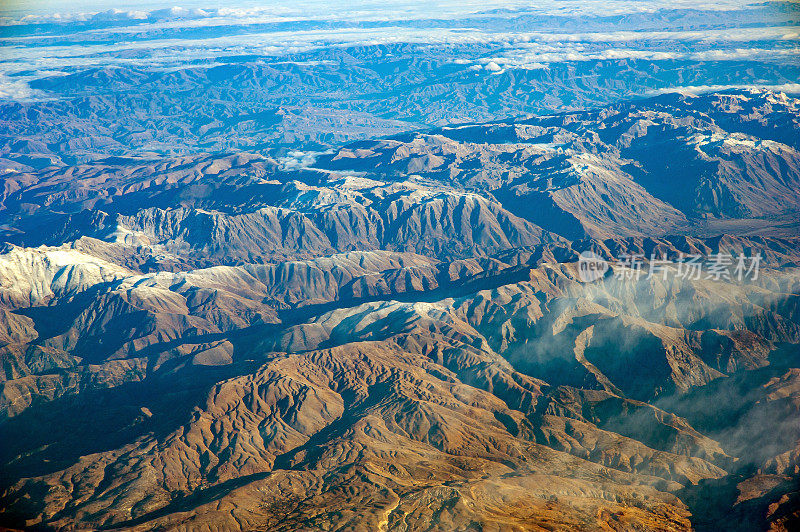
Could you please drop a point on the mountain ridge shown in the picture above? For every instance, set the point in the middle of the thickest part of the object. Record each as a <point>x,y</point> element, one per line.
<point>396,333</point>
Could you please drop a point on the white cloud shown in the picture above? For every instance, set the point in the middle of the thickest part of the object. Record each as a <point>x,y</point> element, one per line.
<point>762,33</point>
<point>137,44</point>
<point>17,89</point>
<point>296,160</point>
<point>355,10</point>
<point>536,55</point>
<point>792,88</point>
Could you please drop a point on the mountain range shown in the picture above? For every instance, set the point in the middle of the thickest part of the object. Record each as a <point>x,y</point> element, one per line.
<point>393,333</point>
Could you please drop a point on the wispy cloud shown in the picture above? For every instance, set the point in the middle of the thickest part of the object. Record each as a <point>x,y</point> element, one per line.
<point>17,89</point>
<point>791,88</point>
<point>357,10</point>
<point>542,55</point>
<point>142,37</point>
<point>523,50</point>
